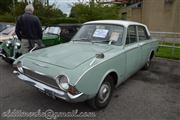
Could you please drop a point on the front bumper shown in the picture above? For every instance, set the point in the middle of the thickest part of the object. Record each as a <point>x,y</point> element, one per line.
<point>1,53</point>
<point>50,91</point>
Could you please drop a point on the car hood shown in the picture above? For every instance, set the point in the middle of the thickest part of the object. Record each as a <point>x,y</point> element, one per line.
<point>69,55</point>
<point>4,38</point>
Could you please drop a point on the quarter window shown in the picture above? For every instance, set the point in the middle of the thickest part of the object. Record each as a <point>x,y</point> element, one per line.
<point>131,35</point>
<point>142,33</point>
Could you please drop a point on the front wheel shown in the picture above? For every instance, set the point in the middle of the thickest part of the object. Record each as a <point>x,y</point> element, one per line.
<point>8,60</point>
<point>103,97</point>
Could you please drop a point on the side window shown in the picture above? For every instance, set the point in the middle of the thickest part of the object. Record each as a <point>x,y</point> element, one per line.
<point>142,33</point>
<point>131,35</point>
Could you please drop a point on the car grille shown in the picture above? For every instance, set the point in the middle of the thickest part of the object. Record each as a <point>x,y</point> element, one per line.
<point>41,78</point>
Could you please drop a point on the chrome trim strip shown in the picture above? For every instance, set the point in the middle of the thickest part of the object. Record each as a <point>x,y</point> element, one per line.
<point>2,55</point>
<point>92,62</point>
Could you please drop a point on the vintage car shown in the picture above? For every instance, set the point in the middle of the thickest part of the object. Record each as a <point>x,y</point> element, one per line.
<point>10,49</point>
<point>100,57</point>
<point>60,33</point>
<point>3,26</point>
<point>7,34</point>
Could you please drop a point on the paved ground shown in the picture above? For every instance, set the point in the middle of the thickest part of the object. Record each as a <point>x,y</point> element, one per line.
<point>148,95</point>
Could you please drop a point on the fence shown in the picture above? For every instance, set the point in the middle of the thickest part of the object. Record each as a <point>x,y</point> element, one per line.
<point>169,44</point>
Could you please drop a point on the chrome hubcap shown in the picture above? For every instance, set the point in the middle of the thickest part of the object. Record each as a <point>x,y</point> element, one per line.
<point>104,92</point>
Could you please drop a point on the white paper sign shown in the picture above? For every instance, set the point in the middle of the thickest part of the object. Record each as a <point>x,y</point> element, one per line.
<point>101,33</point>
<point>114,36</point>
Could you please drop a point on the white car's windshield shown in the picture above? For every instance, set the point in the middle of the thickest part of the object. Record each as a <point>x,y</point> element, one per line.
<point>52,30</point>
<point>101,33</point>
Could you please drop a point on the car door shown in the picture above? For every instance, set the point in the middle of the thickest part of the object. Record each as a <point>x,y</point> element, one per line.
<point>132,50</point>
<point>144,43</point>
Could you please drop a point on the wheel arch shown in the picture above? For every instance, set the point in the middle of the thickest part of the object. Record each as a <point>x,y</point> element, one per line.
<point>151,54</point>
<point>112,73</point>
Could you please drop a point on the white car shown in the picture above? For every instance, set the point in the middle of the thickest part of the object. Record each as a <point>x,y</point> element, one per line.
<point>7,34</point>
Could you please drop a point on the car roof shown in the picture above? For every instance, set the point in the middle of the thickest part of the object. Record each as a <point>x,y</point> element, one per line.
<point>120,22</point>
<point>64,25</point>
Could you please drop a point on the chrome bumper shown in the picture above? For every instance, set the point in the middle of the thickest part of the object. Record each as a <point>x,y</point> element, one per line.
<point>50,91</point>
<point>1,54</point>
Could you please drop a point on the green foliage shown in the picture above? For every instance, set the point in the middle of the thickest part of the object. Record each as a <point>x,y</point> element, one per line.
<point>94,11</point>
<point>47,14</point>
<point>4,5</point>
<point>7,18</point>
<point>48,11</point>
<point>19,9</point>
<point>166,52</point>
<point>56,20</point>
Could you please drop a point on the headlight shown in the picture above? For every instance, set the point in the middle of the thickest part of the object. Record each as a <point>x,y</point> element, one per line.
<point>17,45</point>
<point>8,43</point>
<point>63,82</point>
<point>19,66</point>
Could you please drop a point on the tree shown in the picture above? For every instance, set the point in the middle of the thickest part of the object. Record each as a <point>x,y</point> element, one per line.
<point>93,10</point>
<point>5,5</point>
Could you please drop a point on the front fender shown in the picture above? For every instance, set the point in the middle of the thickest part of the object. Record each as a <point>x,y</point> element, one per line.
<point>90,82</point>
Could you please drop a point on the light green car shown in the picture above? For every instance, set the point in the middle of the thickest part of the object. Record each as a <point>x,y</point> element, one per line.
<point>100,57</point>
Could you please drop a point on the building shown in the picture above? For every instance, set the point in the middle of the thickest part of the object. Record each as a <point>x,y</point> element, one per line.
<point>158,15</point>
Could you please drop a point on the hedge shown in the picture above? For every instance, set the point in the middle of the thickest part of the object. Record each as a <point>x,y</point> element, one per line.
<point>44,20</point>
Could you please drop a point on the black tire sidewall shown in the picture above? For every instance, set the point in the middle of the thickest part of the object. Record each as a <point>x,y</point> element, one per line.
<point>95,103</point>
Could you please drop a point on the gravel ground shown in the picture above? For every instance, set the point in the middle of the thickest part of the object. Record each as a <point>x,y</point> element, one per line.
<point>147,95</point>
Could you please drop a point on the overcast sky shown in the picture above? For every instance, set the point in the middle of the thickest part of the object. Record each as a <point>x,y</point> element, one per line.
<point>64,5</point>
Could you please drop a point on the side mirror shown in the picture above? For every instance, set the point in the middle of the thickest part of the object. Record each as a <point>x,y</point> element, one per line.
<point>100,55</point>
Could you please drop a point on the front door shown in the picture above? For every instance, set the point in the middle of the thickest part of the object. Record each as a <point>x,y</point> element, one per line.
<point>133,51</point>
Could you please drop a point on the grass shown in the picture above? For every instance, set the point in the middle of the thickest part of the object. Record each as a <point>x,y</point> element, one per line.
<point>166,52</point>
<point>170,44</point>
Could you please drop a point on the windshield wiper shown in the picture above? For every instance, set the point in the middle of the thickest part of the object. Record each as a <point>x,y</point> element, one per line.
<point>83,39</point>
<point>100,41</point>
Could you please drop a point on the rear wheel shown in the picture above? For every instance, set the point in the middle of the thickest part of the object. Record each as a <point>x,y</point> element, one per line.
<point>103,97</point>
<point>148,62</point>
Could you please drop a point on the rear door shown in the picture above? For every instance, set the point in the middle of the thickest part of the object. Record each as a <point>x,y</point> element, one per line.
<point>144,43</point>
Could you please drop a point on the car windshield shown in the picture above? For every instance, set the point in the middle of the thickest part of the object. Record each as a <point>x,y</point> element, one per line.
<point>100,33</point>
<point>52,30</point>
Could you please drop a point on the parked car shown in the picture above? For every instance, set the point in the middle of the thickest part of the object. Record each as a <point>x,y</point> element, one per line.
<point>100,57</point>
<point>60,33</point>
<point>10,49</point>
<point>3,26</point>
<point>8,33</point>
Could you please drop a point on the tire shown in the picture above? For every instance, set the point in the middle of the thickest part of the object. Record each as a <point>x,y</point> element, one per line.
<point>101,100</point>
<point>148,62</point>
<point>10,61</point>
